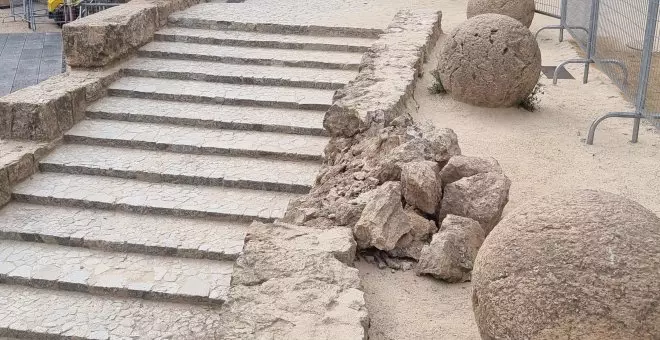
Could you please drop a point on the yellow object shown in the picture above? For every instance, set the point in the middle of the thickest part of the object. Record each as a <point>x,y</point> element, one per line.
<point>53,4</point>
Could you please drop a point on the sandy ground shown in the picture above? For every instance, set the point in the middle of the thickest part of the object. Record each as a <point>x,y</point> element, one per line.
<point>542,152</point>
<point>10,25</point>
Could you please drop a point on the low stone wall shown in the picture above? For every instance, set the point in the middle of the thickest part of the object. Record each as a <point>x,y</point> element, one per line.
<point>43,112</point>
<point>295,280</point>
<point>18,160</point>
<point>107,36</point>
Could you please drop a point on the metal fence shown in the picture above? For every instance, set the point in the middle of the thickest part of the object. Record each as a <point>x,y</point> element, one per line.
<point>34,13</point>
<point>549,7</point>
<point>622,37</point>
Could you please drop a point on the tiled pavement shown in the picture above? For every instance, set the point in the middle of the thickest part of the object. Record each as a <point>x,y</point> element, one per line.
<point>28,58</point>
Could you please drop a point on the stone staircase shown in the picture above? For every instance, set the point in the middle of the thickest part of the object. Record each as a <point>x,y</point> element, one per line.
<point>132,226</point>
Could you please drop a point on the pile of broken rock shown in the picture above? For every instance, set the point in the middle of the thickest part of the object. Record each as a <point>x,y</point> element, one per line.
<point>396,185</point>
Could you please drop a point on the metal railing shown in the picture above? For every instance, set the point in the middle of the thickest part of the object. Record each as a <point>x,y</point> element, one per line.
<point>69,10</point>
<point>622,38</point>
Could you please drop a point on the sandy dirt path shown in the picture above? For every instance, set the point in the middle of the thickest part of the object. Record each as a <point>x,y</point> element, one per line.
<point>542,152</point>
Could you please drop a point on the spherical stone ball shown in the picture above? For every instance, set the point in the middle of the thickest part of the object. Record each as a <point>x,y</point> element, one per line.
<point>490,60</point>
<point>521,10</point>
<point>578,265</point>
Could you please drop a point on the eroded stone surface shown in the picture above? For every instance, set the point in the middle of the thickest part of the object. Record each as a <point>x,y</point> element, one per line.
<point>421,186</point>
<point>268,40</point>
<point>30,311</point>
<point>481,197</point>
<point>122,232</point>
<point>239,74</point>
<point>253,55</point>
<point>451,253</point>
<point>198,140</point>
<point>490,60</point>
<point>290,283</point>
<point>217,93</point>
<point>79,269</point>
<point>465,166</point>
<point>155,166</point>
<point>580,264</point>
<point>388,73</point>
<point>209,115</point>
<point>521,10</point>
<point>113,193</point>
<point>383,221</point>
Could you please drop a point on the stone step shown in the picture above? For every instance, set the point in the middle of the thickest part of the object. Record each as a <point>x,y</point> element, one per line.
<point>99,272</point>
<point>122,232</point>
<point>157,166</point>
<point>32,313</point>
<point>218,93</point>
<point>265,40</point>
<point>187,139</point>
<point>239,74</point>
<point>255,118</point>
<point>280,20</point>
<point>99,192</point>
<point>252,55</point>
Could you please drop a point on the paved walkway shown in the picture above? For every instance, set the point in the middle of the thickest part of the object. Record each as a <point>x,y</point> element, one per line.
<point>132,226</point>
<point>28,58</point>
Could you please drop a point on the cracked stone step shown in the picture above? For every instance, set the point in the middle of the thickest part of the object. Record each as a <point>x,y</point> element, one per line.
<point>219,93</point>
<point>252,55</point>
<point>255,118</point>
<point>48,314</point>
<point>265,40</point>
<point>110,193</point>
<point>157,166</point>
<point>187,139</point>
<point>298,21</point>
<point>109,273</point>
<point>210,71</point>
<point>123,232</point>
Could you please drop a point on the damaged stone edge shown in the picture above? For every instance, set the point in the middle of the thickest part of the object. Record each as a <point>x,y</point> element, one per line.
<point>22,167</point>
<point>105,37</point>
<point>383,89</point>
<point>45,111</point>
<point>272,282</point>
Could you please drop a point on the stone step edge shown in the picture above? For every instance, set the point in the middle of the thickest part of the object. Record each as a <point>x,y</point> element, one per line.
<point>203,123</point>
<point>264,43</point>
<point>216,100</point>
<point>119,247</point>
<point>242,80</point>
<point>108,291</point>
<point>137,209</point>
<point>356,32</point>
<point>190,149</point>
<point>45,166</point>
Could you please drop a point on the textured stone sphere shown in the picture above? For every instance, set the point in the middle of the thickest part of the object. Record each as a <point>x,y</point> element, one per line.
<point>578,265</point>
<point>521,10</point>
<point>490,60</point>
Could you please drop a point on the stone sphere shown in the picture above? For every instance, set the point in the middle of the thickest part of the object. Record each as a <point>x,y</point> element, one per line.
<point>578,265</point>
<point>490,60</point>
<point>521,10</point>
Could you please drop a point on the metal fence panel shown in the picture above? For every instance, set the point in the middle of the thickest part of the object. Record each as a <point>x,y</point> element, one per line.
<point>548,7</point>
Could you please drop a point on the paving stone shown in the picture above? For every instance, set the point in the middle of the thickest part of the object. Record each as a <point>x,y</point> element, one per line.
<point>41,313</point>
<point>217,93</point>
<point>252,55</point>
<point>187,139</point>
<point>124,274</point>
<point>122,232</point>
<point>158,166</point>
<point>256,39</point>
<point>144,197</point>
<point>254,118</point>
<point>239,74</point>
<point>328,19</point>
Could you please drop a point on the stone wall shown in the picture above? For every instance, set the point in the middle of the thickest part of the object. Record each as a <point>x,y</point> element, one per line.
<point>107,36</point>
<point>43,112</point>
<point>295,279</point>
<point>18,160</point>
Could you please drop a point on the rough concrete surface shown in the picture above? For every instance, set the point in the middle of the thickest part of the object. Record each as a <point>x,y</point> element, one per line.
<point>521,10</point>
